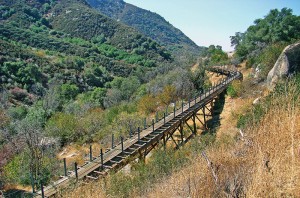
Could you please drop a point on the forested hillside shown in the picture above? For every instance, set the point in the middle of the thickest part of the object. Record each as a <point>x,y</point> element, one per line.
<point>150,24</point>
<point>70,76</point>
<point>261,44</point>
<point>51,41</point>
<point>252,145</point>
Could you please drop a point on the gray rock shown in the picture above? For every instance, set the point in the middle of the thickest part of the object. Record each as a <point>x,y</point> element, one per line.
<point>286,64</point>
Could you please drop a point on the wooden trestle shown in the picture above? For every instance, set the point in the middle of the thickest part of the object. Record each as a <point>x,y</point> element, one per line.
<point>141,144</point>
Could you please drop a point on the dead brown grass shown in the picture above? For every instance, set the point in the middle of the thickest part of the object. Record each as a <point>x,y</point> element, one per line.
<point>264,163</point>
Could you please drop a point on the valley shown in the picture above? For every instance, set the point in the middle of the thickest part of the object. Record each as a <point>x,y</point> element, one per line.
<point>80,78</point>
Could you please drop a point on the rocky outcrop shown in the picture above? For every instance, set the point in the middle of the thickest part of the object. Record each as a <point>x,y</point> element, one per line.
<point>287,63</point>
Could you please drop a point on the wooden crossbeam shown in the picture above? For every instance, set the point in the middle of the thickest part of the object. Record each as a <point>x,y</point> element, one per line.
<point>91,177</point>
<point>189,127</point>
<point>100,173</point>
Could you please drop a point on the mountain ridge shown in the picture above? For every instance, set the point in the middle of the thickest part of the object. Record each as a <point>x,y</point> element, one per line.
<point>150,24</point>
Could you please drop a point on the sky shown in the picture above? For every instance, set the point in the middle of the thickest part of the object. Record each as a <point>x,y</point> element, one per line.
<point>209,22</point>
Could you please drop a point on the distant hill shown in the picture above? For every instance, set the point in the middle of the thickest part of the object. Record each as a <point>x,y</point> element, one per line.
<point>68,42</point>
<point>150,24</point>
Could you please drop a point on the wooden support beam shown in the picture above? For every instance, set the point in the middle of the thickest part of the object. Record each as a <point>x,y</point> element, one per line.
<point>100,173</point>
<point>189,127</point>
<point>138,145</point>
<point>181,131</point>
<point>141,156</point>
<point>106,166</point>
<point>194,123</point>
<point>209,111</point>
<point>200,121</point>
<point>115,162</point>
<point>128,153</point>
<point>91,177</point>
<point>203,110</point>
<point>174,141</point>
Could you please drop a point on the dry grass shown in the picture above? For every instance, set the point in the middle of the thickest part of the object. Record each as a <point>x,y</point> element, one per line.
<point>78,153</point>
<point>86,190</point>
<point>265,163</point>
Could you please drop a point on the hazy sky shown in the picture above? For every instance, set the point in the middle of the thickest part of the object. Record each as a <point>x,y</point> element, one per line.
<point>209,22</point>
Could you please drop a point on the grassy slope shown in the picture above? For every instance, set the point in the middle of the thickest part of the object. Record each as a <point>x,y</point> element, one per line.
<point>265,161</point>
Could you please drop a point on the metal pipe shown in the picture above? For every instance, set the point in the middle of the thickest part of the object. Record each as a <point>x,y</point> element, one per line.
<point>112,141</point>
<point>174,109</point>
<point>152,124</point>
<point>122,144</point>
<point>76,172</point>
<point>65,166</point>
<point>101,156</point>
<point>91,154</point>
<point>42,189</point>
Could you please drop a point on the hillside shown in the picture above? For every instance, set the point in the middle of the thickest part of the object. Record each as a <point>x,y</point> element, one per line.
<point>150,24</point>
<point>254,158</point>
<point>43,42</point>
<point>251,154</point>
<point>69,77</point>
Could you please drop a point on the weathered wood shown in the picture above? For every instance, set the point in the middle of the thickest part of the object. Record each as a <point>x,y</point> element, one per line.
<point>91,177</point>
<point>100,173</point>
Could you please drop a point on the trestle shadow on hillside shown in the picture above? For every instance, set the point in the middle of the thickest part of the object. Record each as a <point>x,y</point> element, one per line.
<point>214,122</point>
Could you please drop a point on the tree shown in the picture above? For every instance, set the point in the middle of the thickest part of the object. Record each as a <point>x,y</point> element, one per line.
<point>276,27</point>
<point>37,150</point>
<point>147,104</point>
<point>63,126</point>
<point>167,96</point>
<point>198,78</point>
<point>236,39</point>
<point>69,91</point>
<point>125,122</point>
<point>95,97</point>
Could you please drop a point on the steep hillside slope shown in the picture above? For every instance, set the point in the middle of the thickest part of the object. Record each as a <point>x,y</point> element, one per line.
<point>263,160</point>
<point>67,42</point>
<point>149,23</point>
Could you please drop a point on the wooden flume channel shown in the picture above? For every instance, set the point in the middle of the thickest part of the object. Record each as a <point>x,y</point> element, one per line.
<point>140,144</point>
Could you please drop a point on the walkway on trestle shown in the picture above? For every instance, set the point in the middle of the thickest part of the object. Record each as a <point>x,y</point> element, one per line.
<point>145,140</point>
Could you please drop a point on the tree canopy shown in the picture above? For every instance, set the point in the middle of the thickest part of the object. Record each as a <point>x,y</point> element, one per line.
<point>277,26</point>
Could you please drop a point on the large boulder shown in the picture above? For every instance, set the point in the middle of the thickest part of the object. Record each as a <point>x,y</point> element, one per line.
<point>287,63</point>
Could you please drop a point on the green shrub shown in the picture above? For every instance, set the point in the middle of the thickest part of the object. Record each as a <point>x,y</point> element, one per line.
<point>252,117</point>
<point>63,126</point>
<point>69,91</point>
<point>18,113</point>
<point>13,171</point>
<point>235,89</point>
<point>268,58</point>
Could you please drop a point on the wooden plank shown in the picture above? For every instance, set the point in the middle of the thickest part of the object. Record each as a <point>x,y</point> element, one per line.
<point>91,177</point>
